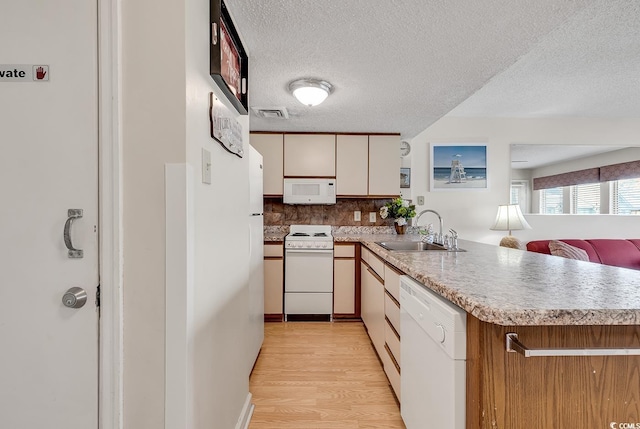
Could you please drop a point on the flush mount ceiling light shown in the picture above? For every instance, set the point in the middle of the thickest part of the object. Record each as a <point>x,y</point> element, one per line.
<point>310,92</point>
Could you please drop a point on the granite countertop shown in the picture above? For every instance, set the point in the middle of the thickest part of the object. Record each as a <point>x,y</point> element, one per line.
<point>274,236</point>
<point>513,287</point>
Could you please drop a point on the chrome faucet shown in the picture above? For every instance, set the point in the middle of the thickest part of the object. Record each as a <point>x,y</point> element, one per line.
<point>438,239</point>
<point>453,243</point>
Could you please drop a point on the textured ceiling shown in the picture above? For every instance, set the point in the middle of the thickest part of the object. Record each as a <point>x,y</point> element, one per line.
<point>525,156</point>
<point>588,67</point>
<point>396,65</point>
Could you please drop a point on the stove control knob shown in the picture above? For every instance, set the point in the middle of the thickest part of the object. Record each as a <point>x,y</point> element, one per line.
<point>317,244</point>
<point>324,245</point>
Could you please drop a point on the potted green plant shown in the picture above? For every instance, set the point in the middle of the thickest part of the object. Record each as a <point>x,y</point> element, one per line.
<point>399,210</point>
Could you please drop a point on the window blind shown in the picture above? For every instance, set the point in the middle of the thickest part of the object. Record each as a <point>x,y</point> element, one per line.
<point>625,196</point>
<point>551,201</point>
<point>585,199</point>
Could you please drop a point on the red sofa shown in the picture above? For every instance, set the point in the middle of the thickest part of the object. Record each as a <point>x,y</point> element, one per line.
<point>616,252</point>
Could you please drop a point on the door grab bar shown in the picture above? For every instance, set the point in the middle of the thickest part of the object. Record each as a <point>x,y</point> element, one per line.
<point>515,346</point>
<point>73,253</point>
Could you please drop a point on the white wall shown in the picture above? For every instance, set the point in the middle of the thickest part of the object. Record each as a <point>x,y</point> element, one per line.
<point>472,213</point>
<point>608,158</point>
<point>221,246</point>
<point>165,119</point>
<point>153,122</point>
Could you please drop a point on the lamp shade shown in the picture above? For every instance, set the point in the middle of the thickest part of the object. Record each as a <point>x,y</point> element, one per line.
<point>510,218</point>
<point>310,92</point>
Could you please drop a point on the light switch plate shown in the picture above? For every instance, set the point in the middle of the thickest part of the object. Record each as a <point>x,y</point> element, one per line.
<point>420,200</point>
<point>372,217</point>
<point>206,166</point>
<point>356,216</point>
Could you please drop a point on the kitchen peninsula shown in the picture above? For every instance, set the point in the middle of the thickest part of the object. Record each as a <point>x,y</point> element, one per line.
<point>551,303</point>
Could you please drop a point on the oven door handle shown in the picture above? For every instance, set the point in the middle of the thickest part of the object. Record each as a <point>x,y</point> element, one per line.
<point>309,251</point>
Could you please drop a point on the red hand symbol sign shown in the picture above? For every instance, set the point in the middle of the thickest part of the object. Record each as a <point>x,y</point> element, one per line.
<point>40,73</point>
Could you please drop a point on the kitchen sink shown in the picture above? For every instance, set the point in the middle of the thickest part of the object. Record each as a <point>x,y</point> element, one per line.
<point>413,246</point>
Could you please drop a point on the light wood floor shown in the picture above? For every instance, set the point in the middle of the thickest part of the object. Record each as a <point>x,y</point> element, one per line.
<point>320,375</point>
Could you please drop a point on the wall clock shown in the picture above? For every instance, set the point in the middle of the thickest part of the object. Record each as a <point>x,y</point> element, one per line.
<point>405,148</point>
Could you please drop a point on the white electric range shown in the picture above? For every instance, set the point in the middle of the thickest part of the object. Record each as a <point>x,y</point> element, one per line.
<point>308,271</point>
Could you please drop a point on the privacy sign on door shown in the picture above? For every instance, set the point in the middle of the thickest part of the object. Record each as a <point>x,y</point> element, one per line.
<point>24,73</point>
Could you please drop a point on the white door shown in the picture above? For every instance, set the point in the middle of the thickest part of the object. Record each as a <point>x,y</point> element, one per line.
<point>48,164</point>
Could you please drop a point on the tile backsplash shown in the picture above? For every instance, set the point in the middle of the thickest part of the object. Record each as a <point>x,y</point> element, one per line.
<point>340,214</point>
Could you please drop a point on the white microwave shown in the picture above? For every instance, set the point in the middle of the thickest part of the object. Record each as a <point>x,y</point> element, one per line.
<point>309,191</point>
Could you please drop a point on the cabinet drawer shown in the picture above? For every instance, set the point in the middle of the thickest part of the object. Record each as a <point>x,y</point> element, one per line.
<point>365,254</point>
<point>392,312</point>
<point>376,265</point>
<point>344,250</point>
<point>273,250</point>
<point>392,341</point>
<point>392,281</point>
<point>392,372</point>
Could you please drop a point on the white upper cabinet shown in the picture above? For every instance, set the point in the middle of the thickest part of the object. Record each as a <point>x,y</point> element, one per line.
<point>352,165</point>
<point>384,165</point>
<point>270,147</point>
<point>362,165</point>
<point>310,155</point>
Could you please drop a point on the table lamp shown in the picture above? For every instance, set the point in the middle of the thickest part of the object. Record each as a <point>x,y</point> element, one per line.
<point>510,218</point>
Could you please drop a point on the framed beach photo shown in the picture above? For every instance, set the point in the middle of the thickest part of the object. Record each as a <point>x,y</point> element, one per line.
<point>458,166</point>
<point>405,177</point>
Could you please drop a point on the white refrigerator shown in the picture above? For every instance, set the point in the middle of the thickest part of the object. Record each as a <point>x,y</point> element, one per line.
<point>256,256</point>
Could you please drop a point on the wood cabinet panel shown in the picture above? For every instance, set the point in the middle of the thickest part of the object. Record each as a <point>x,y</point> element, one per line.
<point>273,286</point>
<point>310,155</point>
<point>344,286</point>
<point>352,165</point>
<point>384,165</point>
<point>507,390</point>
<point>271,147</point>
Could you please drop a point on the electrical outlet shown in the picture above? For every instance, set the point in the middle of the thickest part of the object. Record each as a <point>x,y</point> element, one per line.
<point>356,216</point>
<point>372,217</point>
<point>206,166</point>
<point>420,200</point>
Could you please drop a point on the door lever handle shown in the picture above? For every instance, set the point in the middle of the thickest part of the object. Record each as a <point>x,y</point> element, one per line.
<point>73,253</point>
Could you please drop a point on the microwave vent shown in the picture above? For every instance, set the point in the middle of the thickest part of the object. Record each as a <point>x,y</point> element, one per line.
<point>271,112</point>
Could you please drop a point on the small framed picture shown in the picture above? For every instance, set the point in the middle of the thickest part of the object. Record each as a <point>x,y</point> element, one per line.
<point>405,177</point>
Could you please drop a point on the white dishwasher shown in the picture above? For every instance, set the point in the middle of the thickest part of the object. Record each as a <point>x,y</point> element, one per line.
<point>433,356</point>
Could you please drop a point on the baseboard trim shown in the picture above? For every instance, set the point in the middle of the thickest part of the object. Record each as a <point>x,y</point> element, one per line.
<point>246,414</point>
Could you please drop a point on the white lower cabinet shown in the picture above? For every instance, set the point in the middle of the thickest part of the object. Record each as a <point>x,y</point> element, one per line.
<point>372,310</point>
<point>344,280</point>
<point>380,284</point>
<point>273,280</point>
<point>392,326</point>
